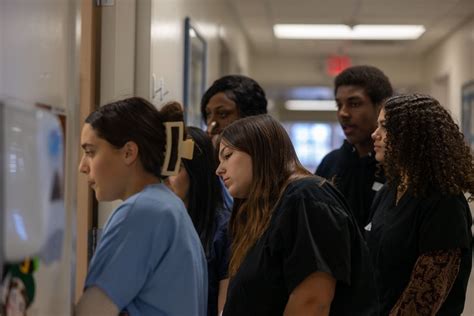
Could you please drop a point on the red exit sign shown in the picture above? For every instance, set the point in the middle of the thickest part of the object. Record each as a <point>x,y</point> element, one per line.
<point>337,63</point>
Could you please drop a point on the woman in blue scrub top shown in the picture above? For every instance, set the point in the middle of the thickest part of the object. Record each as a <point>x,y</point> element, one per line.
<point>149,260</point>
<point>419,236</point>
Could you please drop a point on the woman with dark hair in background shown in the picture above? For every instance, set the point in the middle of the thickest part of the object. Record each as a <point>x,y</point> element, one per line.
<point>296,248</point>
<point>149,260</point>
<point>199,188</point>
<point>420,237</point>
<point>230,98</point>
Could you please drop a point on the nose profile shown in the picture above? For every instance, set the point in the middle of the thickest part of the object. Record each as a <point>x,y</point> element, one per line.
<point>374,134</point>
<point>343,111</point>
<point>83,168</point>
<point>219,170</point>
<point>211,126</point>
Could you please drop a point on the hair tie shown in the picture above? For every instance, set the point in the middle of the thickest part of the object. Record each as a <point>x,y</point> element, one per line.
<point>176,148</point>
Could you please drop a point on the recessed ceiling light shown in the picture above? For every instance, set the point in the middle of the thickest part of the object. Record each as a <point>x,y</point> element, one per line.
<point>310,105</point>
<point>345,32</point>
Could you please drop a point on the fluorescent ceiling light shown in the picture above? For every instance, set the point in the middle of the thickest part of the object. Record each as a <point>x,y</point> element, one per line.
<point>310,105</point>
<point>345,32</point>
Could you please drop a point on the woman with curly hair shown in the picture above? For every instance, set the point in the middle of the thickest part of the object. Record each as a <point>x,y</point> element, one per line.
<point>420,237</point>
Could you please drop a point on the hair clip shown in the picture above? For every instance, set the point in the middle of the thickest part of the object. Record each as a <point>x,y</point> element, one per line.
<point>176,148</point>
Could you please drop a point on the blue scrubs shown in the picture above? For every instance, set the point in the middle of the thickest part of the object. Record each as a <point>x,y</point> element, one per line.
<point>149,260</point>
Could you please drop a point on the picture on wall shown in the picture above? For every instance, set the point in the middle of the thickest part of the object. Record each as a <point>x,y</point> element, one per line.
<point>195,54</point>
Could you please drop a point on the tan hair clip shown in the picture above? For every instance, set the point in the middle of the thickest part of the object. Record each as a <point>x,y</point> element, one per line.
<point>176,148</point>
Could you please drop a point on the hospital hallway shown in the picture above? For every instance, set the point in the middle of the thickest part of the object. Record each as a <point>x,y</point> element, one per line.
<point>61,60</point>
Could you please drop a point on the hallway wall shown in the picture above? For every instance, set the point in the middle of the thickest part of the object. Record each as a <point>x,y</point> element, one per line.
<point>403,71</point>
<point>453,58</point>
<point>277,73</point>
<point>157,48</point>
<point>38,48</point>
<point>212,19</point>
<point>35,62</point>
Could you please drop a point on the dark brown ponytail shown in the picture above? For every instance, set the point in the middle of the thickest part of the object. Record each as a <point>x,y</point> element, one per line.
<point>135,119</point>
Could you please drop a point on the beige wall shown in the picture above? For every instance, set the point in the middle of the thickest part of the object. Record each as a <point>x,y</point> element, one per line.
<point>142,39</point>
<point>156,48</point>
<point>212,19</point>
<point>38,51</point>
<point>281,72</point>
<point>36,61</point>
<point>404,73</point>
<point>451,62</point>
<point>117,57</point>
<point>446,68</point>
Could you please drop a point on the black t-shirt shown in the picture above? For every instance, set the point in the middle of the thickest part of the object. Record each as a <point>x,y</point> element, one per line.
<point>356,177</point>
<point>311,230</point>
<point>400,234</point>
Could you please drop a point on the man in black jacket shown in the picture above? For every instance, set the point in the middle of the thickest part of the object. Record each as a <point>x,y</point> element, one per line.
<point>360,92</point>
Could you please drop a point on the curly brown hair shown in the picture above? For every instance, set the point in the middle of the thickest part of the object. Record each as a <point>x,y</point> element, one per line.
<point>425,145</point>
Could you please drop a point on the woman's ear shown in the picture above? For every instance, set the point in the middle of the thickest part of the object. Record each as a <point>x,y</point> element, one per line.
<point>130,152</point>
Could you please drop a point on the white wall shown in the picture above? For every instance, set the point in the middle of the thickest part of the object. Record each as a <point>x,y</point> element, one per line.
<point>145,38</point>
<point>447,67</point>
<point>159,49</point>
<point>453,60</point>
<point>212,19</point>
<point>37,65</point>
<point>35,60</point>
<point>142,39</point>
<point>117,58</point>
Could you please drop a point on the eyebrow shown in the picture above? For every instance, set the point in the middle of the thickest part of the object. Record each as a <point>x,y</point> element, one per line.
<point>219,107</point>
<point>221,152</point>
<point>351,98</point>
<point>87,146</point>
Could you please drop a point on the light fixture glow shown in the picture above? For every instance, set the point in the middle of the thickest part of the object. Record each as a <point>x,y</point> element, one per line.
<point>344,32</point>
<point>310,105</point>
